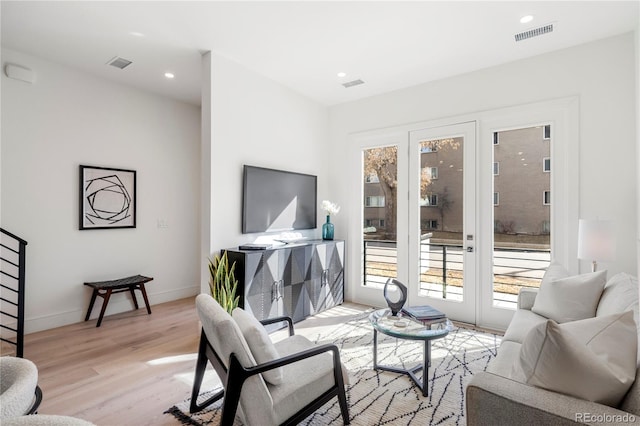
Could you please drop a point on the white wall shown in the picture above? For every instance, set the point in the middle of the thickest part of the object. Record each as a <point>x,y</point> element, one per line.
<point>637,113</point>
<point>67,118</point>
<point>602,74</point>
<point>255,121</point>
<point>637,40</point>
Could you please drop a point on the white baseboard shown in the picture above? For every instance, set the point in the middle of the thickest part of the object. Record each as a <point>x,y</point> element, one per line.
<point>116,305</point>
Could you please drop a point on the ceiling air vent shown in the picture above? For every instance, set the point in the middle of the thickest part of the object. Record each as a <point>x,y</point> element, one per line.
<point>352,83</point>
<point>119,62</point>
<point>534,32</point>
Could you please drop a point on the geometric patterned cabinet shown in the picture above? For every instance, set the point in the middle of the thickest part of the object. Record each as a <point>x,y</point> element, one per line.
<point>295,280</point>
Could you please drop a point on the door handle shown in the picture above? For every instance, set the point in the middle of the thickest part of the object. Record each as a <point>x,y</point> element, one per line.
<point>276,293</point>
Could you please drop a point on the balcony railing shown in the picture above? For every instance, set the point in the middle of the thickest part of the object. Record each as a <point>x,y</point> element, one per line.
<point>379,261</point>
<point>441,268</point>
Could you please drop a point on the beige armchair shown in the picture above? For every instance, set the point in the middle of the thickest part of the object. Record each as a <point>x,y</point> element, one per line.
<point>299,378</point>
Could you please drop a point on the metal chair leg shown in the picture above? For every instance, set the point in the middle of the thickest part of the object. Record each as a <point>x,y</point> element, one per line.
<point>201,366</point>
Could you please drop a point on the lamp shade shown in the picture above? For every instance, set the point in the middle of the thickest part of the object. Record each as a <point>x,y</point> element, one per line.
<point>596,240</point>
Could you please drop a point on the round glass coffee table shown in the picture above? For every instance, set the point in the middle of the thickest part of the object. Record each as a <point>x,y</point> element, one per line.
<point>408,329</point>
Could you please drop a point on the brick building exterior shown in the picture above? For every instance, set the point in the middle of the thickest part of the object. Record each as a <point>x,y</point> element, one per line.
<point>521,197</point>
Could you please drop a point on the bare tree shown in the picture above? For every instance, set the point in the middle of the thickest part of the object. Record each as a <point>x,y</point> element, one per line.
<point>444,205</point>
<point>383,163</point>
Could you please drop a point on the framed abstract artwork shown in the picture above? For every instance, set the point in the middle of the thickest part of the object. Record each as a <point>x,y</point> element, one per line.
<point>107,198</point>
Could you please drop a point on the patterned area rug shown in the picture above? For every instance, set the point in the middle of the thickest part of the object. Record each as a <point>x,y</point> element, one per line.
<point>385,398</point>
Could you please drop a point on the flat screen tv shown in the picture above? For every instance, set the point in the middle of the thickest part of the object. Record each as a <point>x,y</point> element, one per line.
<point>277,200</point>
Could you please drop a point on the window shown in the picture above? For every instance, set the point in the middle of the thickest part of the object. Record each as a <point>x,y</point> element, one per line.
<point>431,224</point>
<point>496,198</point>
<point>431,200</point>
<point>432,172</point>
<point>372,178</point>
<point>546,198</point>
<point>546,164</point>
<point>374,222</point>
<point>546,132</point>
<point>495,138</point>
<point>374,201</point>
<point>496,168</point>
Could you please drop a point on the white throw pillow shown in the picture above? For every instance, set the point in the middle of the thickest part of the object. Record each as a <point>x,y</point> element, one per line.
<point>592,359</point>
<point>555,271</point>
<point>260,344</point>
<point>570,299</point>
<point>620,294</point>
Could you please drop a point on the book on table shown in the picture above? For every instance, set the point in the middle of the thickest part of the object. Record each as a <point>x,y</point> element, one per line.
<point>423,313</point>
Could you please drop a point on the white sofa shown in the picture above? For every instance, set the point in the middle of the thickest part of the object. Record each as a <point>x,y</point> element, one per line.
<point>495,397</point>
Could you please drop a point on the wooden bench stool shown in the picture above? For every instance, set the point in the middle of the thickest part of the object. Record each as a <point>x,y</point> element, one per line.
<point>105,289</point>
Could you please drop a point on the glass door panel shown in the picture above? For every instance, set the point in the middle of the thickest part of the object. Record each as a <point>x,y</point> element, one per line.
<point>380,214</point>
<point>442,219</point>
<point>521,211</point>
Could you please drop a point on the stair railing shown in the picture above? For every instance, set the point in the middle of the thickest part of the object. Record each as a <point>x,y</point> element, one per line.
<point>12,278</point>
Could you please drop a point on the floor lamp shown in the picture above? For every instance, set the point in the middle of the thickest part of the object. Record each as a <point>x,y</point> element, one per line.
<point>596,241</point>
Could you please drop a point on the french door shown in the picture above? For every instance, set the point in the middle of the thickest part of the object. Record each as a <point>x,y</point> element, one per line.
<point>466,214</point>
<point>417,221</point>
<point>442,219</point>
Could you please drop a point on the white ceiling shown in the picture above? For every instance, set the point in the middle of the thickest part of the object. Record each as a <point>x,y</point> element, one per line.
<point>302,45</point>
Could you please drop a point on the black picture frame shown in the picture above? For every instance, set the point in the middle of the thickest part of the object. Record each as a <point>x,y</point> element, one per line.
<point>107,198</point>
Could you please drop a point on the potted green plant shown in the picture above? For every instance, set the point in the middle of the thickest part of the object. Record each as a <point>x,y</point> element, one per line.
<point>223,283</point>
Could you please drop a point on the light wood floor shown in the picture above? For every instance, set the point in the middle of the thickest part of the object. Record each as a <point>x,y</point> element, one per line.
<point>127,372</point>
<point>135,366</point>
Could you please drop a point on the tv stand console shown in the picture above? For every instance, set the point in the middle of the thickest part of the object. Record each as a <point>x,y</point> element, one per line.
<point>295,280</point>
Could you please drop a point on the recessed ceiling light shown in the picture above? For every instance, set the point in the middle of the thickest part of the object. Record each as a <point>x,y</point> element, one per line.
<point>136,34</point>
<point>526,18</point>
<point>342,74</point>
<point>169,75</point>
